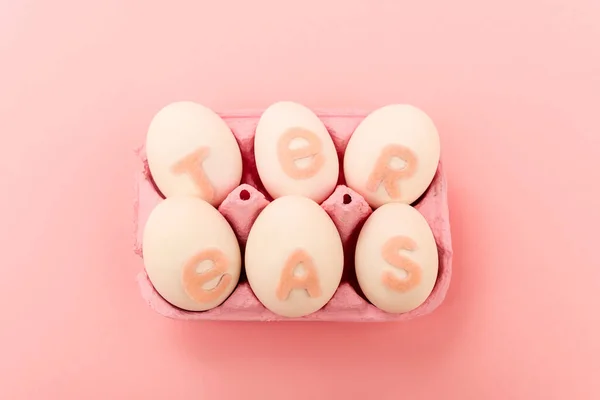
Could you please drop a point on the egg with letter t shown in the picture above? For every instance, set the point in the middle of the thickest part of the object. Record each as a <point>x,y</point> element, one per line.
<point>191,151</point>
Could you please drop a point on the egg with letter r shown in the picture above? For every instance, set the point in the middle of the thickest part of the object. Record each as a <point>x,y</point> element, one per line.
<point>392,155</point>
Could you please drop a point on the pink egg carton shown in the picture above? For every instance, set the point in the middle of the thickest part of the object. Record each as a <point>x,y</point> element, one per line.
<point>347,209</point>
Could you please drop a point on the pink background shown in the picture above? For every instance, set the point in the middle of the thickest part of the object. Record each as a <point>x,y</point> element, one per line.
<point>514,88</point>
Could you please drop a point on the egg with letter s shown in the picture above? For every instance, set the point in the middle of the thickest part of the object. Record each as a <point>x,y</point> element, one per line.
<point>396,258</point>
<point>192,151</point>
<point>294,153</point>
<point>191,254</point>
<point>294,257</point>
<point>392,155</point>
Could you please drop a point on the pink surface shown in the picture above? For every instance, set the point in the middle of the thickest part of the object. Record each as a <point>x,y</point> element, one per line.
<point>348,303</point>
<point>514,89</point>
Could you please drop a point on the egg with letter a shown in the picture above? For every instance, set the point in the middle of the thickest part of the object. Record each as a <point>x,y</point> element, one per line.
<point>294,257</point>
<point>191,254</point>
<point>392,155</point>
<point>294,153</point>
<point>396,258</point>
<point>191,151</point>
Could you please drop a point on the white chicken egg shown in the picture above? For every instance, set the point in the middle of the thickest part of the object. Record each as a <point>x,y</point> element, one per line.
<point>192,151</point>
<point>191,254</point>
<point>393,155</point>
<point>294,152</point>
<point>396,258</point>
<point>294,257</point>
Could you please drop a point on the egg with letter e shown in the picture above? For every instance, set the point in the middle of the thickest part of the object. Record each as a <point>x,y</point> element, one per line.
<point>396,258</point>
<point>294,153</point>
<point>294,257</point>
<point>191,151</point>
<point>191,254</point>
<point>392,155</point>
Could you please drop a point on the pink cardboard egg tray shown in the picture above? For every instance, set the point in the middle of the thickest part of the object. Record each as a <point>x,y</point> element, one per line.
<point>347,209</point>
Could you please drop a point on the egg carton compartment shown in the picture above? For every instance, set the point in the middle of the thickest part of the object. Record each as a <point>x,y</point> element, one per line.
<point>347,209</point>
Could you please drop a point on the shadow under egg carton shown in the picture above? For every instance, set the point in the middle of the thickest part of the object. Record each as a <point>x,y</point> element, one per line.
<point>347,209</point>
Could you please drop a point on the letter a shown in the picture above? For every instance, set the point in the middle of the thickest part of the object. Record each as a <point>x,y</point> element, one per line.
<point>308,281</point>
<point>391,254</point>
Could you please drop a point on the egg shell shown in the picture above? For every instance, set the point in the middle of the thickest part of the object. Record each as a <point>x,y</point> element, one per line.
<point>393,155</point>
<point>294,153</point>
<point>347,304</point>
<point>192,151</point>
<point>396,259</point>
<point>191,254</point>
<point>294,257</point>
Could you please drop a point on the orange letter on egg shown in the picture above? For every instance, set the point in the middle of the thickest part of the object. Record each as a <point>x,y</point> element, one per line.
<point>192,164</point>
<point>193,281</point>
<point>384,173</point>
<point>391,254</point>
<point>308,281</point>
<point>288,157</point>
